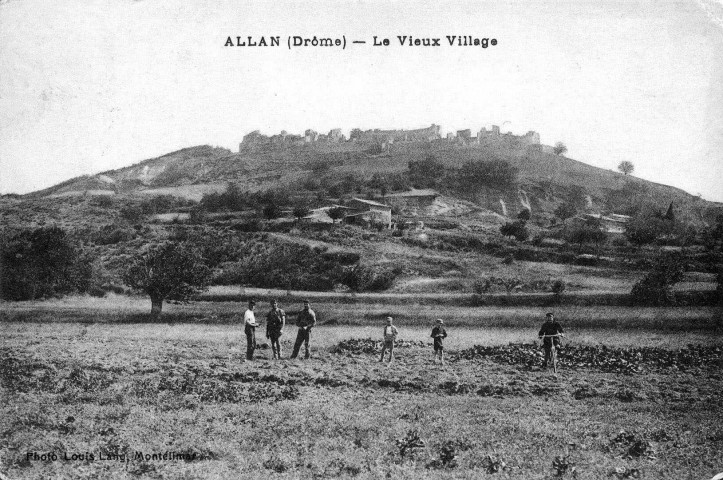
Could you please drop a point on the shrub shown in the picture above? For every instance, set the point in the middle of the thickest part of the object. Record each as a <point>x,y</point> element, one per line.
<point>131,213</point>
<point>558,286</point>
<point>656,287</point>
<point>361,278</point>
<point>160,204</point>
<point>284,265</point>
<point>271,211</point>
<point>646,228</point>
<point>103,201</point>
<point>112,234</point>
<point>516,229</point>
<point>584,234</point>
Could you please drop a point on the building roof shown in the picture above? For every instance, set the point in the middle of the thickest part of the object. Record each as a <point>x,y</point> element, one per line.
<point>426,192</point>
<point>370,202</point>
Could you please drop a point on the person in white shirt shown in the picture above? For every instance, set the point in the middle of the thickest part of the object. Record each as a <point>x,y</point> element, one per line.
<point>250,330</point>
<point>390,335</point>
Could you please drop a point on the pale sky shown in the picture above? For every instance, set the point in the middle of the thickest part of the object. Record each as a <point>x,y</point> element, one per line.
<point>87,86</point>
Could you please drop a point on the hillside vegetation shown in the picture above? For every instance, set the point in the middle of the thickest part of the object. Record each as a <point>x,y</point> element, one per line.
<point>506,218</point>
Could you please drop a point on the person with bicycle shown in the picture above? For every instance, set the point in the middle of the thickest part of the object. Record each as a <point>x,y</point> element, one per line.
<point>550,333</point>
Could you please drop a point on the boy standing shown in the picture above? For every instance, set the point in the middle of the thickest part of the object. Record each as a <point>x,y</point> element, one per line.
<point>390,335</point>
<point>250,330</point>
<point>439,334</point>
<point>275,321</point>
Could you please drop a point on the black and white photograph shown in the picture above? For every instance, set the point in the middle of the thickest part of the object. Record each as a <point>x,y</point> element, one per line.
<point>361,239</point>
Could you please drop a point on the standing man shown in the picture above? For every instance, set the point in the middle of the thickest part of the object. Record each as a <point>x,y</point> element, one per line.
<point>389,335</point>
<point>275,321</point>
<point>305,321</point>
<point>250,330</point>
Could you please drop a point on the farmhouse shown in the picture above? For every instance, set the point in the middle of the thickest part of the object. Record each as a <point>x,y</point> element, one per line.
<point>368,212</point>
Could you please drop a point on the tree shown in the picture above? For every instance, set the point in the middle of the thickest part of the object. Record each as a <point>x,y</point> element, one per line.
<point>559,148</point>
<point>41,263</point>
<point>646,227</point>
<point>565,210</point>
<point>586,234</point>
<point>301,211</point>
<point>524,214</point>
<point>336,213</point>
<point>171,270</point>
<point>626,167</point>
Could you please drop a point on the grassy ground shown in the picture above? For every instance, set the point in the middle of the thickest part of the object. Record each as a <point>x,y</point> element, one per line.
<point>117,389</point>
<point>122,309</point>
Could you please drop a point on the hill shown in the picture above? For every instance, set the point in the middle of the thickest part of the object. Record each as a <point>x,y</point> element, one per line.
<point>262,163</point>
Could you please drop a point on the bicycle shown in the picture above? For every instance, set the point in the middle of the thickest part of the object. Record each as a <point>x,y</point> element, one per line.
<point>552,351</point>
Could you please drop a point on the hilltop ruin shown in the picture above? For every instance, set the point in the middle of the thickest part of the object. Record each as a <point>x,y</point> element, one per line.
<point>256,140</point>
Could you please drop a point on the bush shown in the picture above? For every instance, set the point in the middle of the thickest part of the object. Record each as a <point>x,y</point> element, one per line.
<point>361,278</point>
<point>584,234</point>
<point>644,228</point>
<point>112,234</point>
<point>131,213</point>
<point>656,287</point>
<point>516,229</point>
<point>267,264</point>
<point>103,201</point>
<point>271,211</point>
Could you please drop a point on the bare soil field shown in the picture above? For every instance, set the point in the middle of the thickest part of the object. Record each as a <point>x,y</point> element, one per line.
<point>109,400</point>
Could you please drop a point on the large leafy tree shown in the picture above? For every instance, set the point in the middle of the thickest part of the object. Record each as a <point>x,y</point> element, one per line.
<point>41,263</point>
<point>171,270</point>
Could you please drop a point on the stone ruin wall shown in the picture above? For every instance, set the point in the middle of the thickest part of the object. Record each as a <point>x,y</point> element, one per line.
<point>256,140</point>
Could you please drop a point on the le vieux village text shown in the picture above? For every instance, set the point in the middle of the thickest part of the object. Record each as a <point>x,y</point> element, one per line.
<point>401,40</point>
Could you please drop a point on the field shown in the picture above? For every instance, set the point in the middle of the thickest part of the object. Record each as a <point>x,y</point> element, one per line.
<point>647,406</point>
